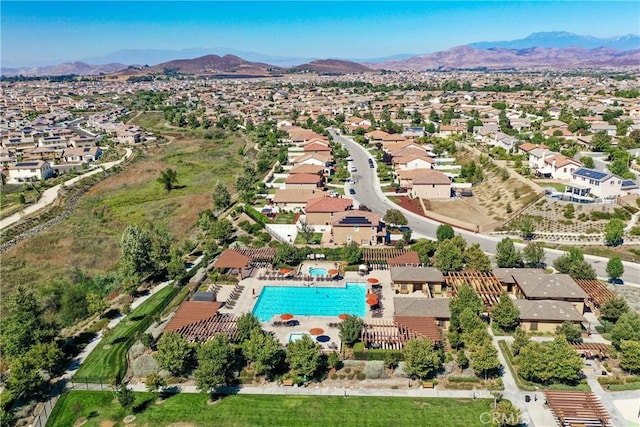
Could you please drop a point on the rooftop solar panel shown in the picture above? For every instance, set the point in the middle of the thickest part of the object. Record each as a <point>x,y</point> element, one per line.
<point>590,173</point>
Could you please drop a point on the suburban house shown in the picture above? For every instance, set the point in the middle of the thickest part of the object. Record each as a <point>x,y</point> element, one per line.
<point>604,185</point>
<point>559,166</point>
<point>413,132</point>
<point>317,147</point>
<point>320,159</point>
<point>82,155</point>
<point>449,130</point>
<point>438,308</point>
<point>526,147</point>
<point>293,199</point>
<point>546,315</point>
<point>413,161</point>
<point>29,171</point>
<point>304,181</point>
<point>430,184</point>
<point>80,141</point>
<point>362,227</point>
<point>557,287</point>
<point>51,155</point>
<point>406,280</point>
<point>322,210</point>
<point>307,169</point>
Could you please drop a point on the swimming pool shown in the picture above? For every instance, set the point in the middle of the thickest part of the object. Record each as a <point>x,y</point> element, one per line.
<point>296,336</point>
<point>310,301</point>
<point>317,271</point>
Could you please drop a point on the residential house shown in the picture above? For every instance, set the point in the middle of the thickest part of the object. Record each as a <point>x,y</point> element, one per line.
<point>603,127</point>
<point>82,155</point>
<point>600,184</point>
<point>413,161</point>
<point>293,199</point>
<point>29,171</point>
<point>304,180</point>
<point>430,184</point>
<point>307,169</point>
<point>547,315</point>
<point>317,147</point>
<point>362,227</point>
<point>449,130</point>
<point>323,210</point>
<point>406,280</point>
<point>413,132</point>
<point>559,166</point>
<point>558,287</point>
<point>526,147</point>
<point>437,308</point>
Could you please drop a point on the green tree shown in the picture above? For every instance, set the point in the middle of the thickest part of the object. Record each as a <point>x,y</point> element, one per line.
<point>221,196</point>
<point>425,248</point>
<point>533,255</point>
<point>215,364</point>
<point>47,357</point>
<point>125,397</point>
<point>506,414</point>
<point>507,256</point>
<point>588,162</point>
<point>264,351</point>
<point>245,324</point>
<point>573,264</point>
<point>168,178</point>
<point>613,232</point>
<point>476,259</point>
<point>601,141</point>
<point>25,378</point>
<point>449,257</point>
<point>221,230</point>
<point>549,362</point>
<point>444,232</point>
<point>350,330</point>
<point>287,254</point>
<point>613,308</point>
<point>174,354</point>
<point>394,217</point>
<point>520,340</point>
<point>627,328</point>
<point>505,314</point>
<point>303,356</point>
<point>351,253</point>
<point>176,267</point>
<point>615,269</point>
<point>465,297</point>
<point>571,331</point>
<point>137,250</point>
<point>23,324</point>
<point>484,359</point>
<point>422,357</point>
<point>629,355</point>
<point>462,360</point>
<point>527,227</point>
<point>306,231</point>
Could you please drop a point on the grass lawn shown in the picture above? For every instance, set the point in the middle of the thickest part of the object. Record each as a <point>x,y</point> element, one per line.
<point>625,253</point>
<point>285,218</point>
<point>271,410</point>
<point>109,359</point>
<point>316,239</point>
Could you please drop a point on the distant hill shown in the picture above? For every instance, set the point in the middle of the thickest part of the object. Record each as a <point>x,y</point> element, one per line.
<point>211,64</point>
<point>77,68</point>
<point>467,57</point>
<point>331,66</point>
<point>561,39</point>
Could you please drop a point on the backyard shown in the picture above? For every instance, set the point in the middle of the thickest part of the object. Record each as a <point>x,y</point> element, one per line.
<point>189,410</point>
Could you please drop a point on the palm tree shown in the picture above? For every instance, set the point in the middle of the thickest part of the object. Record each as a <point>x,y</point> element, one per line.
<point>168,178</point>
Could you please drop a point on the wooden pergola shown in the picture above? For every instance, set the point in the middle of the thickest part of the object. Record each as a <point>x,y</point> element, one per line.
<point>392,335</point>
<point>486,285</point>
<point>577,408</point>
<point>595,348</point>
<point>257,254</point>
<point>598,292</point>
<point>380,256</point>
<point>205,329</point>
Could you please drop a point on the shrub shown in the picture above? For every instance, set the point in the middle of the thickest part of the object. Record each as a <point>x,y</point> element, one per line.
<point>635,231</point>
<point>347,370</point>
<point>361,376</point>
<point>463,379</point>
<point>374,369</point>
<point>350,376</point>
<point>334,376</point>
<point>399,371</point>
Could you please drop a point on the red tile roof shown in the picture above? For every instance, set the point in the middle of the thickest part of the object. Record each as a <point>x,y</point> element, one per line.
<point>231,259</point>
<point>303,178</point>
<point>328,204</point>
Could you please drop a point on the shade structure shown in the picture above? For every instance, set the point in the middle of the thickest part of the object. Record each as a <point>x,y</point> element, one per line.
<point>334,272</point>
<point>285,271</point>
<point>316,331</point>
<point>286,316</point>
<point>372,280</point>
<point>343,316</point>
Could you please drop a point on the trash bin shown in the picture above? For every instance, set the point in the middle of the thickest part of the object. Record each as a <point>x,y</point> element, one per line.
<point>527,398</point>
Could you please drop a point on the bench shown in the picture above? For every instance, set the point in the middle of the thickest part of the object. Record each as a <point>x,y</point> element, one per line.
<point>427,384</point>
<point>287,383</point>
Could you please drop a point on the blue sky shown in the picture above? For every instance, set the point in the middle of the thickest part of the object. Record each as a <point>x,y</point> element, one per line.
<point>43,32</point>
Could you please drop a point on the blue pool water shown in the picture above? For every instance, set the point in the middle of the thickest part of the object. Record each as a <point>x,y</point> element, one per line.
<point>296,336</point>
<point>310,301</point>
<point>317,271</point>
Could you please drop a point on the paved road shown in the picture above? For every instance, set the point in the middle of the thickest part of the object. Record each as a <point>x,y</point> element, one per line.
<point>51,194</point>
<point>368,193</point>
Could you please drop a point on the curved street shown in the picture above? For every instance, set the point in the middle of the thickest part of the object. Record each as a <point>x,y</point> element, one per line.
<point>368,192</point>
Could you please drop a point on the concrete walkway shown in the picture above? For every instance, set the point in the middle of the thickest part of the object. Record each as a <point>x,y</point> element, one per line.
<point>51,194</point>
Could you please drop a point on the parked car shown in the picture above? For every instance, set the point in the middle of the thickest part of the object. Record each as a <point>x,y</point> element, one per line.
<point>352,191</point>
<point>401,190</point>
<point>354,169</point>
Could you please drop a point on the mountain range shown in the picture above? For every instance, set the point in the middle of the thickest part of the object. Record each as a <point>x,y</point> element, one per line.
<point>550,50</point>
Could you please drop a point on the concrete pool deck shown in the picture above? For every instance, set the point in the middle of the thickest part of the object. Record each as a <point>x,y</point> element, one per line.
<point>253,286</point>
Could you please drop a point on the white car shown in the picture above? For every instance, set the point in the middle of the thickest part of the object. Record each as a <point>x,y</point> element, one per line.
<point>354,169</point>
<point>349,159</point>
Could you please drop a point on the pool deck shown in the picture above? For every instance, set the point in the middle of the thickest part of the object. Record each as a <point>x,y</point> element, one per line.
<point>253,286</point>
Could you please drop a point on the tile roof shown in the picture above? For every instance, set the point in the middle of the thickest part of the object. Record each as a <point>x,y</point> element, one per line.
<point>303,178</point>
<point>328,204</point>
<point>416,274</point>
<point>548,286</point>
<point>419,306</point>
<point>431,177</point>
<point>549,310</point>
<point>306,168</point>
<point>294,195</point>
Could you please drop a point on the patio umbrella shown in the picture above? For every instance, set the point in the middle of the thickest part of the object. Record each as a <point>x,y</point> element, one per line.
<point>334,272</point>
<point>285,271</point>
<point>316,331</point>
<point>372,299</point>
<point>373,280</point>
<point>343,316</point>
<point>286,316</point>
